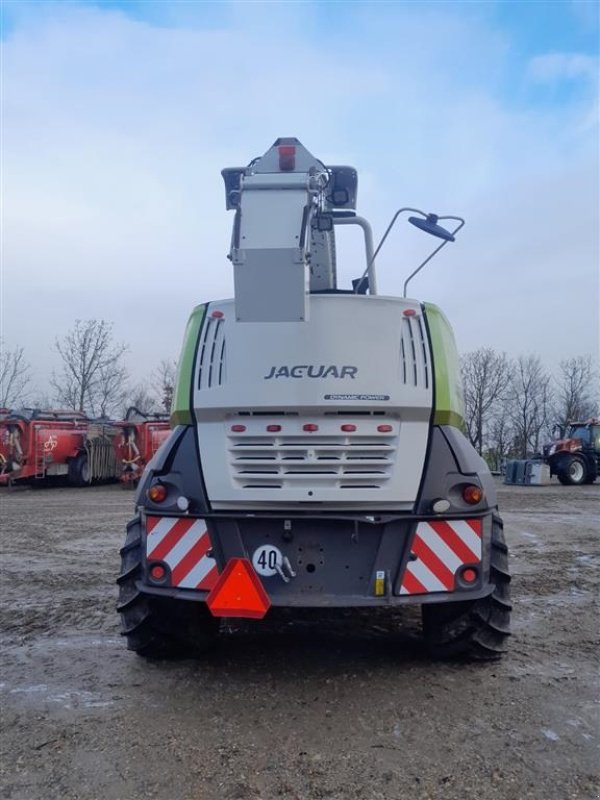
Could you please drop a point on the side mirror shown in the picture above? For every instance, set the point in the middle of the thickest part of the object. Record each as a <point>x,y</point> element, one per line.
<point>429,224</point>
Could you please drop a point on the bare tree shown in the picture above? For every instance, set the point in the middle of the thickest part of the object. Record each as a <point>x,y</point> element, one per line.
<point>531,400</point>
<point>15,376</point>
<point>111,391</point>
<point>500,435</point>
<point>486,377</point>
<point>164,377</point>
<point>92,367</point>
<point>142,398</point>
<point>577,393</point>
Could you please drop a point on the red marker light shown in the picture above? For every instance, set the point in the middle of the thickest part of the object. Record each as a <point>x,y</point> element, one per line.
<point>472,495</point>
<point>273,428</point>
<point>348,428</point>
<point>217,315</point>
<point>238,428</point>
<point>158,572</point>
<point>310,427</point>
<point>157,493</point>
<point>238,592</point>
<point>287,157</point>
<point>409,312</point>
<point>384,428</point>
<point>469,575</point>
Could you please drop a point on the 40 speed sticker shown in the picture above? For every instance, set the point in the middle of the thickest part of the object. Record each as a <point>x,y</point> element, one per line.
<point>267,560</point>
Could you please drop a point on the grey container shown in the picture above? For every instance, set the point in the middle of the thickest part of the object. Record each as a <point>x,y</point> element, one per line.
<point>509,475</point>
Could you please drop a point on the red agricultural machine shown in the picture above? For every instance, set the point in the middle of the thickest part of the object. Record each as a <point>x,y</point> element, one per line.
<point>574,456</point>
<point>36,445</point>
<point>140,437</point>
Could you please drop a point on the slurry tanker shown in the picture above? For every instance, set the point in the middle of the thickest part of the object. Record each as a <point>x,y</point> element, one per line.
<point>37,445</point>
<point>317,458</point>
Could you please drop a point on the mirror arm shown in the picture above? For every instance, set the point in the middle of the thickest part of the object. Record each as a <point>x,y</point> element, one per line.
<point>371,261</point>
<point>431,255</point>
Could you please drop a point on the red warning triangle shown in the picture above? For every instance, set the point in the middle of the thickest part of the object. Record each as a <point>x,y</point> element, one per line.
<point>238,592</point>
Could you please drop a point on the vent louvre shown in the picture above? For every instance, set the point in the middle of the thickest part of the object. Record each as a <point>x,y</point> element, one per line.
<point>414,354</point>
<point>211,355</point>
<point>327,461</point>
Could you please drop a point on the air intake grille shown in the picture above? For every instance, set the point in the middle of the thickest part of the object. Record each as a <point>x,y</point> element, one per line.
<point>307,460</point>
<point>414,355</point>
<point>211,357</point>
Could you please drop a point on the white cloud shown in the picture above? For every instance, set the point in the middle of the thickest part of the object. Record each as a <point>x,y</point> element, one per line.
<point>556,66</point>
<point>115,132</point>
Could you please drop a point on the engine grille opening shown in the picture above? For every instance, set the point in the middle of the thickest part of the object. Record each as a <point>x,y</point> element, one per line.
<point>330,459</point>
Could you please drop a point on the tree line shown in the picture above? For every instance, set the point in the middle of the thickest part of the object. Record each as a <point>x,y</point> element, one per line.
<point>511,404</point>
<point>91,377</point>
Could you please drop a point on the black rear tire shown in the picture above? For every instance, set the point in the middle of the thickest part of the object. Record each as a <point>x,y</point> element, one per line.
<point>572,471</point>
<point>158,627</point>
<point>79,474</point>
<point>477,629</point>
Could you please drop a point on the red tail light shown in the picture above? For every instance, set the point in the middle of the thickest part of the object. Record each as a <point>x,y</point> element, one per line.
<point>310,427</point>
<point>348,428</point>
<point>472,495</point>
<point>238,428</point>
<point>157,493</point>
<point>384,428</point>
<point>273,428</point>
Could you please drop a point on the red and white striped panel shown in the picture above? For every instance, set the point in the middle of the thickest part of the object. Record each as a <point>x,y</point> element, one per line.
<point>182,543</point>
<point>441,548</point>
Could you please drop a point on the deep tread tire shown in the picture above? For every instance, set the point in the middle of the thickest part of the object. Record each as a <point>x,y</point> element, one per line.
<point>157,627</point>
<point>477,629</point>
<point>79,471</point>
<point>572,471</point>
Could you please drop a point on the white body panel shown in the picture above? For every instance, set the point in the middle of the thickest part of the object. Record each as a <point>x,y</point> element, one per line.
<point>358,361</point>
<point>272,219</point>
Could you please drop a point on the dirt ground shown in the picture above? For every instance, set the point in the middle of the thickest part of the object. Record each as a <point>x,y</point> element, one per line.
<point>339,709</point>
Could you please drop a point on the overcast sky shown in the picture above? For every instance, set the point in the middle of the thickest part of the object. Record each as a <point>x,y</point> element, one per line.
<point>119,116</point>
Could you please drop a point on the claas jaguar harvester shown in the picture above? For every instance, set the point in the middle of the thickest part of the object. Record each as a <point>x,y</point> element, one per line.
<point>317,457</point>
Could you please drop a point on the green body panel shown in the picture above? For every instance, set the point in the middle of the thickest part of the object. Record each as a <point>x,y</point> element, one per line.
<point>181,409</point>
<point>449,403</point>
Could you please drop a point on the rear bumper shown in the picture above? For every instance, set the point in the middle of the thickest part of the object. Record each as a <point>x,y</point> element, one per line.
<point>325,561</point>
<point>331,601</point>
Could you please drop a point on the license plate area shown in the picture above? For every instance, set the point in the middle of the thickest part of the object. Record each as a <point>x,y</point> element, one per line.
<point>319,557</point>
